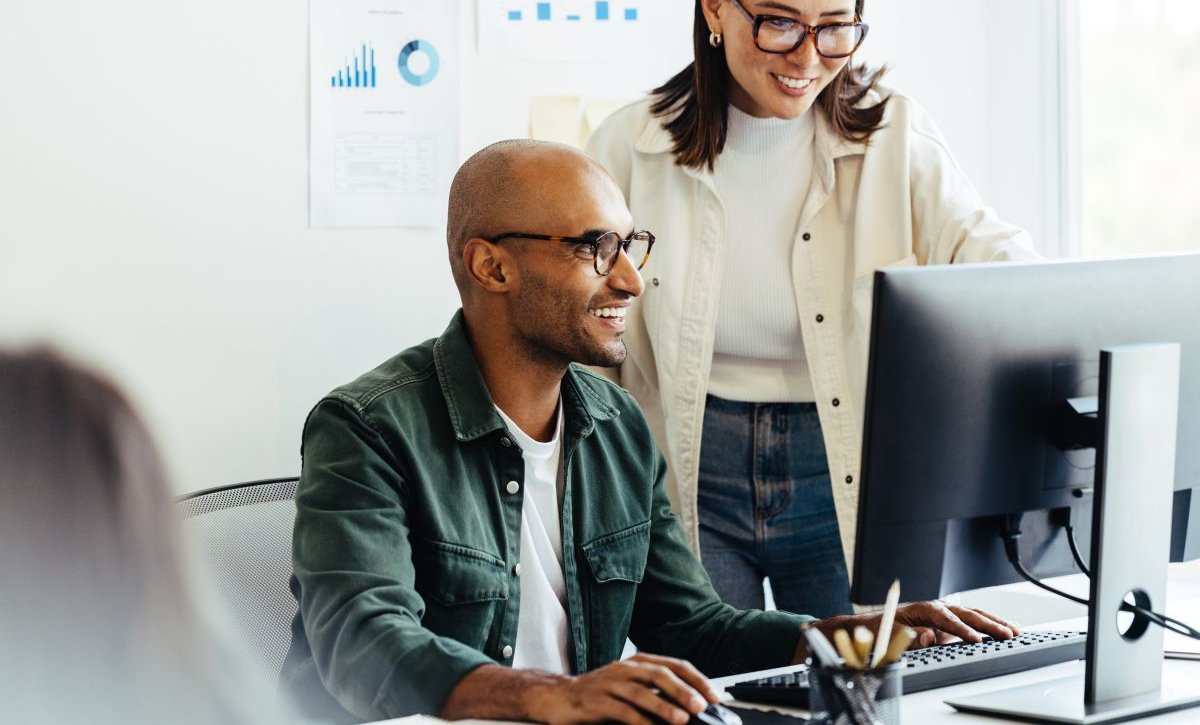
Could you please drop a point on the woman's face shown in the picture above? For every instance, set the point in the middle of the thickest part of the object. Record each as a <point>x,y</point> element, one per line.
<point>768,84</point>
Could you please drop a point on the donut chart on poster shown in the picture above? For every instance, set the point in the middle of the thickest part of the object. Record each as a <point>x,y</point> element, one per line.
<point>405,62</point>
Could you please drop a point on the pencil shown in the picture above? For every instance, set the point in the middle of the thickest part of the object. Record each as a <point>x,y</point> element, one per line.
<point>885,623</point>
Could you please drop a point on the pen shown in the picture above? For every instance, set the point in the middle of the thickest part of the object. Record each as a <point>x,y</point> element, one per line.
<point>822,653</point>
<point>885,623</point>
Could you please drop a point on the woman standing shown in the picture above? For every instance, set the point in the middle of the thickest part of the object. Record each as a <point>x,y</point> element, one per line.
<point>779,177</point>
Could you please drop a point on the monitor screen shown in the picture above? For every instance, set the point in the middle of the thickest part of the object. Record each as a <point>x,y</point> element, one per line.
<point>967,423</point>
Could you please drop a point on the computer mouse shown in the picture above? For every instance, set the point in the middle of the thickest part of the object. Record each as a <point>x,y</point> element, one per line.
<point>715,714</point>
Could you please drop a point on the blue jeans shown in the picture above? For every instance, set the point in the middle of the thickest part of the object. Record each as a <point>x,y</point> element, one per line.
<point>766,508</point>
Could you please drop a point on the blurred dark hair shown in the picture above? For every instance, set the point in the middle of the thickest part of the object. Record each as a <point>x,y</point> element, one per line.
<point>695,101</point>
<point>97,613</point>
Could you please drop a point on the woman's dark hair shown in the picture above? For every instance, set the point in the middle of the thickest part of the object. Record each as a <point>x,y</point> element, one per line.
<point>695,101</point>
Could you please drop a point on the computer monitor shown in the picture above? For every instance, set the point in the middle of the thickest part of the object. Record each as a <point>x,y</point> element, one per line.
<point>967,423</point>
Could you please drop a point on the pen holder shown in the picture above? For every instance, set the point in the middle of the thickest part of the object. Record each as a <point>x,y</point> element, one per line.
<point>845,696</point>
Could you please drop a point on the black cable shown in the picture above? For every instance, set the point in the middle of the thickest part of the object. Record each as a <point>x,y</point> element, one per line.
<point>1162,620</point>
<point>1011,532</point>
<point>1075,551</point>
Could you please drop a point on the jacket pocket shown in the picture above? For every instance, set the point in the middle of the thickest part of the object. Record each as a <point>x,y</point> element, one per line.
<point>620,556</point>
<point>618,563</point>
<point>464,589</point>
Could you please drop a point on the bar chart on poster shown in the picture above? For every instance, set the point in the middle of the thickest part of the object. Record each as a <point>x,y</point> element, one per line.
<point>573,30</point>
<point>361,76</point>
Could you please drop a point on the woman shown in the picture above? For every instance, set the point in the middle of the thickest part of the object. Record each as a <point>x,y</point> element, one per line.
<point>779,177</point>
<point>98,622</point>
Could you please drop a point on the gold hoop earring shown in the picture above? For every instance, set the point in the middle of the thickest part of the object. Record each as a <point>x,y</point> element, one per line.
<point>714,39</point>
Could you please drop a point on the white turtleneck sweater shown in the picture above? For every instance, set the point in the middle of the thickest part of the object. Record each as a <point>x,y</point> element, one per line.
<point>758,353</point>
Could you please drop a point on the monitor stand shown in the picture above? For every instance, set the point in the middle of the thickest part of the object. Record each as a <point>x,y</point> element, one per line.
<point>1131,530</point>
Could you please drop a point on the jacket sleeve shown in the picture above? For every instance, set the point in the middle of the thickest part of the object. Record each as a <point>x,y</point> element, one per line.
<point>677,612</point>
<point>353,565</point>
<point>950,221</point>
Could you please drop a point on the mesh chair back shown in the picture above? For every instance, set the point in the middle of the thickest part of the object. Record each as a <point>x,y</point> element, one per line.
<point>244,534</point>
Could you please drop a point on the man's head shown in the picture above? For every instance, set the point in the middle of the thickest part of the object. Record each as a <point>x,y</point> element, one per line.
<point>543,296</point>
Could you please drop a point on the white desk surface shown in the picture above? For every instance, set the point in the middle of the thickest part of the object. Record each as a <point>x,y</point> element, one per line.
<point>1033,609</point>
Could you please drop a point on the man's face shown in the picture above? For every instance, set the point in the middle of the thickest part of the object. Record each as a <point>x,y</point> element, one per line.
<point>562,308</point>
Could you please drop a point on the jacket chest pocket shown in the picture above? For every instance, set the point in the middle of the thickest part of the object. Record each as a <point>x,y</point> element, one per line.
<point>464,590</point>
<point>617,563</point>
<point>620,556</point>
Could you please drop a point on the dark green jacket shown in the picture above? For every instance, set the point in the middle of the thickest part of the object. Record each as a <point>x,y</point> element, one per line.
<point>406,537</point>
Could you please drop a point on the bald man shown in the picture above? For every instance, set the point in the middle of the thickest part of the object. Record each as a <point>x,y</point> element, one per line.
<point>481,522</point>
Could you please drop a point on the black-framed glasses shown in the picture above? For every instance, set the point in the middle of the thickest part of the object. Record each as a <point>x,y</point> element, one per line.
<point>781,34</point>
<point>605,246</point>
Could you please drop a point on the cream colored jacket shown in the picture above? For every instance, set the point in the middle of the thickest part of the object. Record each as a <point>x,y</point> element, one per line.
<point>898,200</point>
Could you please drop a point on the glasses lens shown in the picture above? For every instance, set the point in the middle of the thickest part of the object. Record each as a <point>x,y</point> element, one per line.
<point>607,246</point>
<point>639,248</point>
<point>838,41</point>
<point>778,35</point>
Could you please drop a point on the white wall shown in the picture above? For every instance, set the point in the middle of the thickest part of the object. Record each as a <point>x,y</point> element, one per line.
<point>153,197</point>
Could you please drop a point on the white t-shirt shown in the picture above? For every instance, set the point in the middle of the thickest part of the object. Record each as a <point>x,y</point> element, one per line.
<point>542,623</point>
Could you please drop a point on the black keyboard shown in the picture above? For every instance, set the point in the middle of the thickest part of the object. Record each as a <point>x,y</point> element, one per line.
<point>940,666</point>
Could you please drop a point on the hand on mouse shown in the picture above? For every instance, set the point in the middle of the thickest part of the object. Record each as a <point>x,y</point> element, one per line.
<point>636,691</point>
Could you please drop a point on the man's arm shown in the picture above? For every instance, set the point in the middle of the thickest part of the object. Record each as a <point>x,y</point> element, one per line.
<point>678,613</point>
<point>353,563</point>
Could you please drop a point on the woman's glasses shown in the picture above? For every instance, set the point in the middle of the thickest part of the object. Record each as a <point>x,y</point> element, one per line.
<point>779,34</point>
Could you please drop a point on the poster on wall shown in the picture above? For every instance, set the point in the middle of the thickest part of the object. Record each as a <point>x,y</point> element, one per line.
<point>383,78</point>
<point>577,30</point>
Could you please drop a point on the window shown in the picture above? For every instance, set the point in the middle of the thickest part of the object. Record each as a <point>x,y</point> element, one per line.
<point>1139,68</point>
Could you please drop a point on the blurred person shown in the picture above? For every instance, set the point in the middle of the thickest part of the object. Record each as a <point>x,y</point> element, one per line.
<point>99,621</point>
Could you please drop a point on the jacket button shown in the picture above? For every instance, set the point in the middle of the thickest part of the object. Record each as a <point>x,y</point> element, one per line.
<point>806,236</point>
<point>820,318</point>
<point>505,442</point>
<point>849,479</point>
<point>506,652</point>
<point>512,487</point>
<point>517,568</point>
<point>836,402</point>
<point>654,281</point>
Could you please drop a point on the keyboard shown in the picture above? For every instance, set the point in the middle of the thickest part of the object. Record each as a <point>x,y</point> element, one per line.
<point>938,666</point>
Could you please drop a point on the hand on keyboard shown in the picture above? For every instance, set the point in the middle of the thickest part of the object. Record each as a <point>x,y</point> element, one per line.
<point>935,623</point>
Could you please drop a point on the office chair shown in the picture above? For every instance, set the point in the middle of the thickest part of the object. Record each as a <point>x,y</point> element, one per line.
<point>243,533</point>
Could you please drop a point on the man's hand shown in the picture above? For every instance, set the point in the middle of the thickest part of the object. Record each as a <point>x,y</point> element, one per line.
<point>935,623</point>
<point>938,623</point>
<point>633,691</point>
<point>638,691</point>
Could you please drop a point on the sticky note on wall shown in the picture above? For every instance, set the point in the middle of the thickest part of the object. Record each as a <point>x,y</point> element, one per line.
<point>569,119</point>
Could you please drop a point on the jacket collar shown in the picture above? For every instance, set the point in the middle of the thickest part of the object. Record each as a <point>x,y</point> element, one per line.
<point>472,411</point>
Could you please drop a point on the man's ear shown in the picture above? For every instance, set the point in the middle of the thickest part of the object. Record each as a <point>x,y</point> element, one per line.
<point>487,264</point>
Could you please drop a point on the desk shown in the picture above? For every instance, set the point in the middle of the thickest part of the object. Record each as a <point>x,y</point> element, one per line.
<point>1034,609</point>
<point>1037,609</point>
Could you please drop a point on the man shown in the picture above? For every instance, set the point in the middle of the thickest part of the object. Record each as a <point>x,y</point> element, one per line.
<point>481,522</point>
